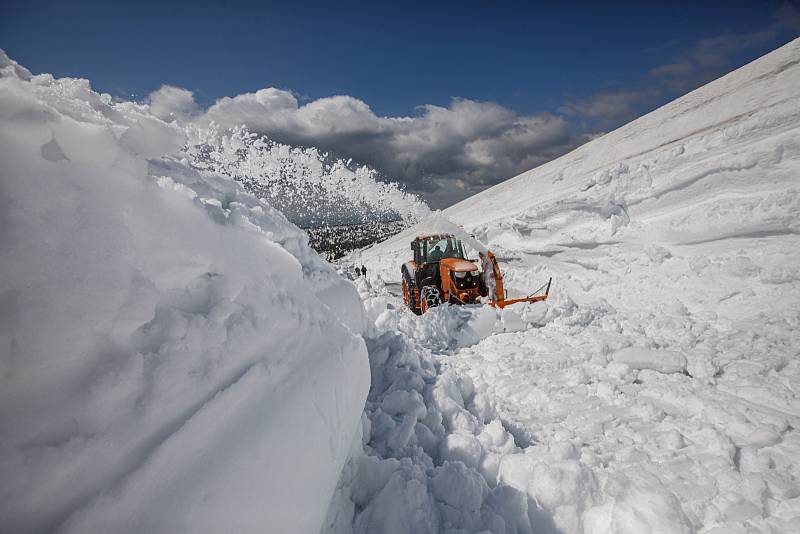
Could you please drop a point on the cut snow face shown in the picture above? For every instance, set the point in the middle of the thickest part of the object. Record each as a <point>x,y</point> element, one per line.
<point>657,390</point>
<point>173,356</point>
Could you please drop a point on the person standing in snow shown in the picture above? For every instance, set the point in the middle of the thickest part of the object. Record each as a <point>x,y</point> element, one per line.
<point>358,271</point>
<point>364,271</point>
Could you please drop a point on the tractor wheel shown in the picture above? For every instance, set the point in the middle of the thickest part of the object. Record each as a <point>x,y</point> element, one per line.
<point>408,295</point>
<point>430,297</point>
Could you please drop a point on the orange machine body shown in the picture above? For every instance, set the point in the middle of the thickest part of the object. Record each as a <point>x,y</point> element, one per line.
<point>429,281</point>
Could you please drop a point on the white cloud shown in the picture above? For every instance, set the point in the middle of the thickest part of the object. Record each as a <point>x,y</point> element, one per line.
<point>710,57</point>
<point>678,68</point>
<point>170,103</point>
<point>445,153</point>
<point>705,60</point>
<point>613,106</point>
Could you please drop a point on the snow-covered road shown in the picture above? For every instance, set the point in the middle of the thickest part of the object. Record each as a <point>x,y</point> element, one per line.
<point>572,430</point>
<point>656,390</point>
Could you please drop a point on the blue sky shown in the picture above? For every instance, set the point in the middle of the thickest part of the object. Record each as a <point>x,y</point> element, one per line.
<point>593,67</point>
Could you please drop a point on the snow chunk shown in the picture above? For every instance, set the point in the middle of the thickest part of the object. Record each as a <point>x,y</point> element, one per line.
<point>403,506</point>
<point>458,486</point>
<point>658,360</point>
<point>405,402</point>
<point>640,505</point>
<point>462,448</point>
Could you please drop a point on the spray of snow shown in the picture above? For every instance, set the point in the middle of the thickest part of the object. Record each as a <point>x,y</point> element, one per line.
<point>308,186</point>
<point>437,223</point>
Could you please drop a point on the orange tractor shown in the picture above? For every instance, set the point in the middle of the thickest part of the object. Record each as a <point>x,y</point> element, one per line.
<point>441,272</point>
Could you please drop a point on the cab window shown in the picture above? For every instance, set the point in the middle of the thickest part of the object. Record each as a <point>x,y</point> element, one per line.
<point>438,249</point>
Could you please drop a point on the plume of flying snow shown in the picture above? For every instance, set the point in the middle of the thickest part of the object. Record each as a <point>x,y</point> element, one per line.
<point>438,223</point>
<point>308,186</point>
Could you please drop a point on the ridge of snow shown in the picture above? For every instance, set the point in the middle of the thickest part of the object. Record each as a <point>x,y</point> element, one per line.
<point>173,355</point>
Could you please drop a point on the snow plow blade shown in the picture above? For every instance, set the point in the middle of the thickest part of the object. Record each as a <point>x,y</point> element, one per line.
<point>536,296</point>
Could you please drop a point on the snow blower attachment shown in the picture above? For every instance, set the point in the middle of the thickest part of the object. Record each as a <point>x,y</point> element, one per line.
<point>440,272</point>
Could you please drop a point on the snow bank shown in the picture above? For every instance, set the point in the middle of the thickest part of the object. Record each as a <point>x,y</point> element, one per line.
<point>712,165</point>
<point>173,357</point>
<point>449,327</point>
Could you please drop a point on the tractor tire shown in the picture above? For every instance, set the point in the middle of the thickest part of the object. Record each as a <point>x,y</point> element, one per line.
<point>429,297</point>
<point>408,295</point>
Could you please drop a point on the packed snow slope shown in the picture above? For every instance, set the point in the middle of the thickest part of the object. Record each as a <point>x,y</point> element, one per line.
<point>656,390</point>
<point>173,356</point>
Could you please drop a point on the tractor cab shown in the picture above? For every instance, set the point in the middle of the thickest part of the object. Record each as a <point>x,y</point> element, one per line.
<point>433,248</point>
<point>440,272</point>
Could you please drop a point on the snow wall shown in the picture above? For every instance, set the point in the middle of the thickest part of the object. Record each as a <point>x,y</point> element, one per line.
<point>173,356</point>
<point>713,164</point>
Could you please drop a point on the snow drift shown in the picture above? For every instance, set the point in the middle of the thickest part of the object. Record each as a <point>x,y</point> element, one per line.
<point>173,356</point>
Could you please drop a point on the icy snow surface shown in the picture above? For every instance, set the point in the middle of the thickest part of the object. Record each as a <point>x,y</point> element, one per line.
<point>656,390</point>
<point>173,356</point>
